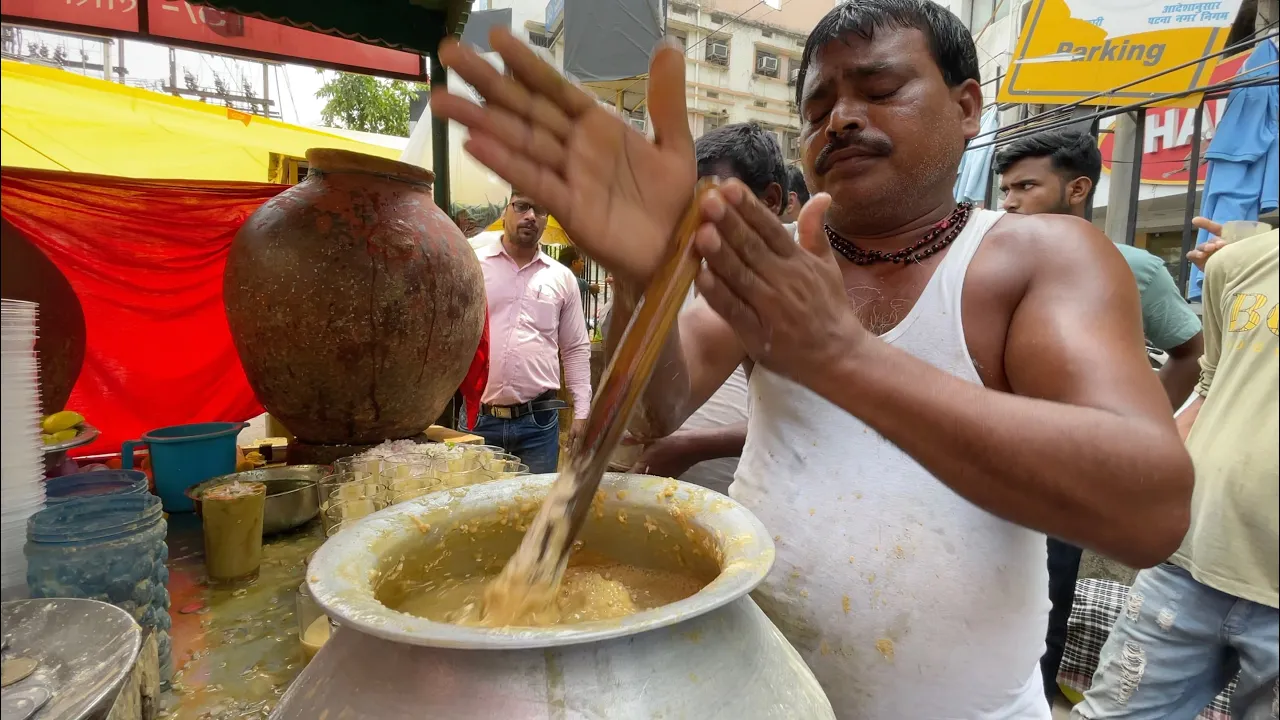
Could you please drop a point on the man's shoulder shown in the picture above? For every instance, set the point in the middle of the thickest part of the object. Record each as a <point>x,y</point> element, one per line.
<point>1053,240</point>
<point>1242,256</point>
<point>1042,228</point>
<point>1023,252</point>
<point>1138,257</point>
<point>485,240</point>
<point>1144,264</point>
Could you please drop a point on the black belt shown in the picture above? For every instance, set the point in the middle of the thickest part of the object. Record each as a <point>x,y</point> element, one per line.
<point>545,401</point>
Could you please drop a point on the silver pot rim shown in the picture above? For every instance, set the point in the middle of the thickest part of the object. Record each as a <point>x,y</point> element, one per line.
<point>342,574</point>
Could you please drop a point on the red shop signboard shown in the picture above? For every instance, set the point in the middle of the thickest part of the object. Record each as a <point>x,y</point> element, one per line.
<point>178,22</point>
<point>1167,134</point>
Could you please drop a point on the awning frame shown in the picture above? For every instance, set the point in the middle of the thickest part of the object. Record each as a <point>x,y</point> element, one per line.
<point>417,26</point>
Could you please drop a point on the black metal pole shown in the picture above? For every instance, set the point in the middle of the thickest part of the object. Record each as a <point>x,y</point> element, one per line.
<point>440,140</point>
<point>1135,180</point>
<point>440,166</point>
<point>989,196</point>
<point>1088,205</point>
<point>1193,178</point>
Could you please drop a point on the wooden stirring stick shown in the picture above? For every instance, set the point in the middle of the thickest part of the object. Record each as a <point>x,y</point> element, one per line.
<point>624,382</point>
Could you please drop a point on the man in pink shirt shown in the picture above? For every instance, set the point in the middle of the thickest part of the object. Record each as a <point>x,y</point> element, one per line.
<point>535,320</point>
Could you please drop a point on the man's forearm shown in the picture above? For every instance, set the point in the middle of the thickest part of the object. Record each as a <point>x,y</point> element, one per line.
<point>577,377</point>
<point>1182,370</point>
<point>1187,418</point>
<point>663,407</point>
<point>702,444</point>
<point>1085,475</point>
<point>1178,376</point>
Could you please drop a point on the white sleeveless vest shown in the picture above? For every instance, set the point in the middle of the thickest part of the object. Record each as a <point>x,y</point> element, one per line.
<point>906,600</point>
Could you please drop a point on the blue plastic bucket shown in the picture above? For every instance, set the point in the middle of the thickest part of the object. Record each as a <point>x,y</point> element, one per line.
<point>183,455</point>
<point>94,484</point>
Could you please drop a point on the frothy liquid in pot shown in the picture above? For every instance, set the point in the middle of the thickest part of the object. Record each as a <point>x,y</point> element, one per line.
<point>525,592</point>
<point>589,591</point>
<point>542,585</point>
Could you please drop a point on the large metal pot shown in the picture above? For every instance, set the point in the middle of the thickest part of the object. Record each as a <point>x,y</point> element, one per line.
<point>355,303</point>
<point>84,651</point>
<point>712,655</point>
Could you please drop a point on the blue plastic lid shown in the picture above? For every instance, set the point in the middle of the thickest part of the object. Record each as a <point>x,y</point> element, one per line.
<point>94,484</point>
<point>94,518</point>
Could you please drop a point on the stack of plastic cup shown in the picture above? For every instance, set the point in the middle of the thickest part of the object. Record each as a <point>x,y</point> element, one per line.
<point>21,457</point>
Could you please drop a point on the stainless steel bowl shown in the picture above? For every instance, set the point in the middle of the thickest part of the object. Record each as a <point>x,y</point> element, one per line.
<point>55,454</point>
<point>293,493</point>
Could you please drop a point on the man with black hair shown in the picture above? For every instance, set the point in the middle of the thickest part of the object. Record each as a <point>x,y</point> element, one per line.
<point>797,193</point>
<point>748,152</point>
<point>536,325</point>
<point>1055,172</point>
<point>572,259</point>
<point>705,450</point>
<point>934,387</point>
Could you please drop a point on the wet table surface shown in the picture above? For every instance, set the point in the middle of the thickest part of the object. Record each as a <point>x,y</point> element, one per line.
<point>235,649</point>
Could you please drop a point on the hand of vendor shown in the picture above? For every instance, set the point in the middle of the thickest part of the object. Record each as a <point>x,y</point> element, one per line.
<point>575,432</point>
<point>601,179</point>
<point>786,301</point>
<point>665,457</point>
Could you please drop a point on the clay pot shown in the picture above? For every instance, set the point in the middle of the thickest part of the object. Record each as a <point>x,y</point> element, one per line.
<point>28,274</point>
<point>355,304</point>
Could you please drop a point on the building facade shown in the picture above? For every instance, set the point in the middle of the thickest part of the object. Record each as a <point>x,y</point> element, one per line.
<point>742,59</point>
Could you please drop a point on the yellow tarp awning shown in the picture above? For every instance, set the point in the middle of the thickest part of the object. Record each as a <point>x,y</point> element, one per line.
<point>57,120</point>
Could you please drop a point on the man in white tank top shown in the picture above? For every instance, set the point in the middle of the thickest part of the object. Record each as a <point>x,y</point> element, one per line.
<point>934,387</point>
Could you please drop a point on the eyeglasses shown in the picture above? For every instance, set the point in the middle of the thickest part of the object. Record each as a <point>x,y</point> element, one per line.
<point>522,207</point>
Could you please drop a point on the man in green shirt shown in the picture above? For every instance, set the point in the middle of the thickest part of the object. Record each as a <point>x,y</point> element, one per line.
<point>1055,172</point>
<point>1190,624</point>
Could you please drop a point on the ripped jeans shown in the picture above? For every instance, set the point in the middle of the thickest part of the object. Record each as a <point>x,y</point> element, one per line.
<point>1177,645</point>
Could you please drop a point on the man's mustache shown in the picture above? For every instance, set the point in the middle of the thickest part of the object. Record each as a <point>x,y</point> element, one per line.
<point>864,145</point>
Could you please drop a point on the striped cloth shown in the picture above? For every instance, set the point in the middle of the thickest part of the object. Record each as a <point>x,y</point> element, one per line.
<point>1097,605</point>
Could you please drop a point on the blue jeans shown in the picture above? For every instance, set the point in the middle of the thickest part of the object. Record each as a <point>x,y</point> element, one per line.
<point>1176,645</point>
<point>534,438</point>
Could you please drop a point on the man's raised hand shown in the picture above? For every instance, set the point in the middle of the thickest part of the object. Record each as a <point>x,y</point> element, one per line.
<point>617,194</point>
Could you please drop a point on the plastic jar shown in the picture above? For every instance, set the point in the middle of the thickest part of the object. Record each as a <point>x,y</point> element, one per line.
<point>98,483</point>
<point>109,548</point>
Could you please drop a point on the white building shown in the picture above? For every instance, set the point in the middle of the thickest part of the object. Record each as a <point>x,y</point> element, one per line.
<point>741,66</point>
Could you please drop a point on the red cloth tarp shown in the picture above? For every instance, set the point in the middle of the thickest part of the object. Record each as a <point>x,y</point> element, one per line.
<point>146,259</point>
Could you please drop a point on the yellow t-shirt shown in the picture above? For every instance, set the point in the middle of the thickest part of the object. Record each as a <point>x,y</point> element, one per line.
<point>1234,541</point>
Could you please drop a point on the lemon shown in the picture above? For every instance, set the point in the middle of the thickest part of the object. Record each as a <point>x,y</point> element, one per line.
<point>64,435</point>
<point>61,421</point>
